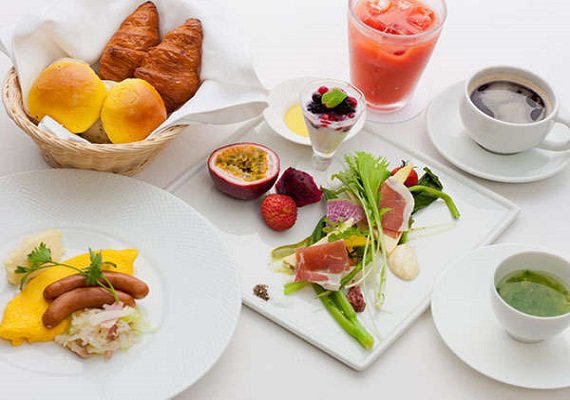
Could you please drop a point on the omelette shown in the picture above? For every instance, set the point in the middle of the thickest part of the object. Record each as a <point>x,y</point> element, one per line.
<point>22,320</point>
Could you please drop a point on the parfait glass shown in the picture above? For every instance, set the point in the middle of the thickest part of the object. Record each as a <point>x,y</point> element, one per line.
<point>332,109</point>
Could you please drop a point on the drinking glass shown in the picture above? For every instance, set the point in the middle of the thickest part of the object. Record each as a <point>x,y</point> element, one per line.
<point>390,44</point>
<point>328,129</point>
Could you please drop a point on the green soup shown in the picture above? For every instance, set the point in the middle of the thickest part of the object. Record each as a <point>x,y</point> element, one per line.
<point>535,293</point>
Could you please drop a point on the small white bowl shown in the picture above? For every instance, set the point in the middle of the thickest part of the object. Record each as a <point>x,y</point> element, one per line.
<point>285,95</point>
<point>521,326</point>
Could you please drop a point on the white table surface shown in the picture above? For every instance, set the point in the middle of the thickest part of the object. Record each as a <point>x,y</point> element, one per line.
<point>308,37</point>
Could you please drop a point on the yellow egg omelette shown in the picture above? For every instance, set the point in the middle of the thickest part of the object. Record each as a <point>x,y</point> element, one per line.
<point>22,320</point>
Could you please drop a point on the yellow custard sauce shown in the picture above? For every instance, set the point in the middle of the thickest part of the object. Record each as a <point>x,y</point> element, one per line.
<point>295,121</point>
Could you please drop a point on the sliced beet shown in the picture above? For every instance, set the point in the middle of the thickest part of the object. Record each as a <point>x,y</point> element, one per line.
<point>300,186</point>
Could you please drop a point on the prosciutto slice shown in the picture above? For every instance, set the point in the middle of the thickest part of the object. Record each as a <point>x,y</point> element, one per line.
<point>324,264</point>
<point>400,201</point>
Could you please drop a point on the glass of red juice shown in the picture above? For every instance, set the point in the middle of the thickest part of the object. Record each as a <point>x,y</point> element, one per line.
<point>390,44</point>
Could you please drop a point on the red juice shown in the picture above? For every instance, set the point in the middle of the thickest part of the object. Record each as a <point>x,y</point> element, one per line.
<point>390,43</point>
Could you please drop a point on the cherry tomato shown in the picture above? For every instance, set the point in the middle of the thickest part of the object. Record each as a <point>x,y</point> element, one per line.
<point>411,180</point>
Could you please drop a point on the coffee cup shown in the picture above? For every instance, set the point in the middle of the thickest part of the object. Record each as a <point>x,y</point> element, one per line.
<point>508,110</point>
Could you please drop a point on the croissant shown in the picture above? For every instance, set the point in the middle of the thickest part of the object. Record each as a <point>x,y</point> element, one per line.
<point>173,67</point>
<point>126,49</point>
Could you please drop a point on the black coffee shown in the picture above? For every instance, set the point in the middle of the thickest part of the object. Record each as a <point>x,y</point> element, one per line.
<point>509,101</point>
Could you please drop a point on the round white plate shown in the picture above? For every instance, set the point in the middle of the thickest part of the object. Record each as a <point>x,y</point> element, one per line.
<point>285,95</point>
<point>450,138</point>
<point>463,316</point>
<point>194,299</point>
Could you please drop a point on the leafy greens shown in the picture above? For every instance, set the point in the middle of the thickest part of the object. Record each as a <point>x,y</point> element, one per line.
<point>428,190</point>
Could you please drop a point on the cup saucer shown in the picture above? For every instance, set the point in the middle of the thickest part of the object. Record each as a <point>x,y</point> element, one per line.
<point>462,312</point>
<point>417,103</point>
<point>450,138</point>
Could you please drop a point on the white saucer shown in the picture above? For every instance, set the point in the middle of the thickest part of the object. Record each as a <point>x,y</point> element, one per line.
<point>285,95</point>
<point>450,138</point>
<point>461,310</point>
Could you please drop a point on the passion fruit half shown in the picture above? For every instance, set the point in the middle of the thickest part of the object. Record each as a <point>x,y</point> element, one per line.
<point>244,170</point>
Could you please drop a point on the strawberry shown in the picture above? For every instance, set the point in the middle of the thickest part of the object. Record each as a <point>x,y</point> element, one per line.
<point>279,211</point>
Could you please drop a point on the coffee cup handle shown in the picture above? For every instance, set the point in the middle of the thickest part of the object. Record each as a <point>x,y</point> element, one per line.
<point>563,118</point>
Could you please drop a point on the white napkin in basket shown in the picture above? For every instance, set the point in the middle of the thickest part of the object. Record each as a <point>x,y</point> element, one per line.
<point>230,91</point>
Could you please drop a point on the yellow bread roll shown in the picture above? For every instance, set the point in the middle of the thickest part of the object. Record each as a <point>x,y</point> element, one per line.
<point>70,92</point>
<point>131,111</point>
<point>22,320</point>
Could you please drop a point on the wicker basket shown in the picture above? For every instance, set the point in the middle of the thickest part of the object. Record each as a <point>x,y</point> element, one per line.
<point>125,159</point>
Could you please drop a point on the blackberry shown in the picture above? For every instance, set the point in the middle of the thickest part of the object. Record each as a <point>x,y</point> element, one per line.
<point>316,108</point>
<point>345,107</point>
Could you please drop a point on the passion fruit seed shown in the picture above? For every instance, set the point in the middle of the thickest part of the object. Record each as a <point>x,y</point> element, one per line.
<point>247,162</point>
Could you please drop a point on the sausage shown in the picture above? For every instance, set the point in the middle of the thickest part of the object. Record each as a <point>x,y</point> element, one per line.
<point>78,299</point>
<point>123,282</point>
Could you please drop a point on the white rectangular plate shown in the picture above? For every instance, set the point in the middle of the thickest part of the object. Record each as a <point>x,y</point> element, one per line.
<point>484,215</point>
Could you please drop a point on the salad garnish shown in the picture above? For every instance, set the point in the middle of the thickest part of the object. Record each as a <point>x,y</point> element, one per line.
<point>367,242</point>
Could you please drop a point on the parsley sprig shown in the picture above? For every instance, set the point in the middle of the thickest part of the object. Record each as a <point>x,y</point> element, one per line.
<point>40,258</point>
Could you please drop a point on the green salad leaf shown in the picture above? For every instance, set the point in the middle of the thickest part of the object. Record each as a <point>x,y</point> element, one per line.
<point>423,199</point>
<point>428,190</point>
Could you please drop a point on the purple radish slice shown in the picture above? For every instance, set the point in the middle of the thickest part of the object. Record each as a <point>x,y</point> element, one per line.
<point>343,209</point>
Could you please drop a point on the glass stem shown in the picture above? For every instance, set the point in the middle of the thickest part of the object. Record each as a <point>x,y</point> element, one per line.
<point>321,163</point>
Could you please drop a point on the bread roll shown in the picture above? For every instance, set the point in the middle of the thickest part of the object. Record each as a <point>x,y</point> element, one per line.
<point>131,111</point>
<point>70,92</point>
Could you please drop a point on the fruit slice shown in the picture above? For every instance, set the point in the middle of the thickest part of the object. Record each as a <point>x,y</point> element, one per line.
<point>244,170</point>
<point>300,186</point>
